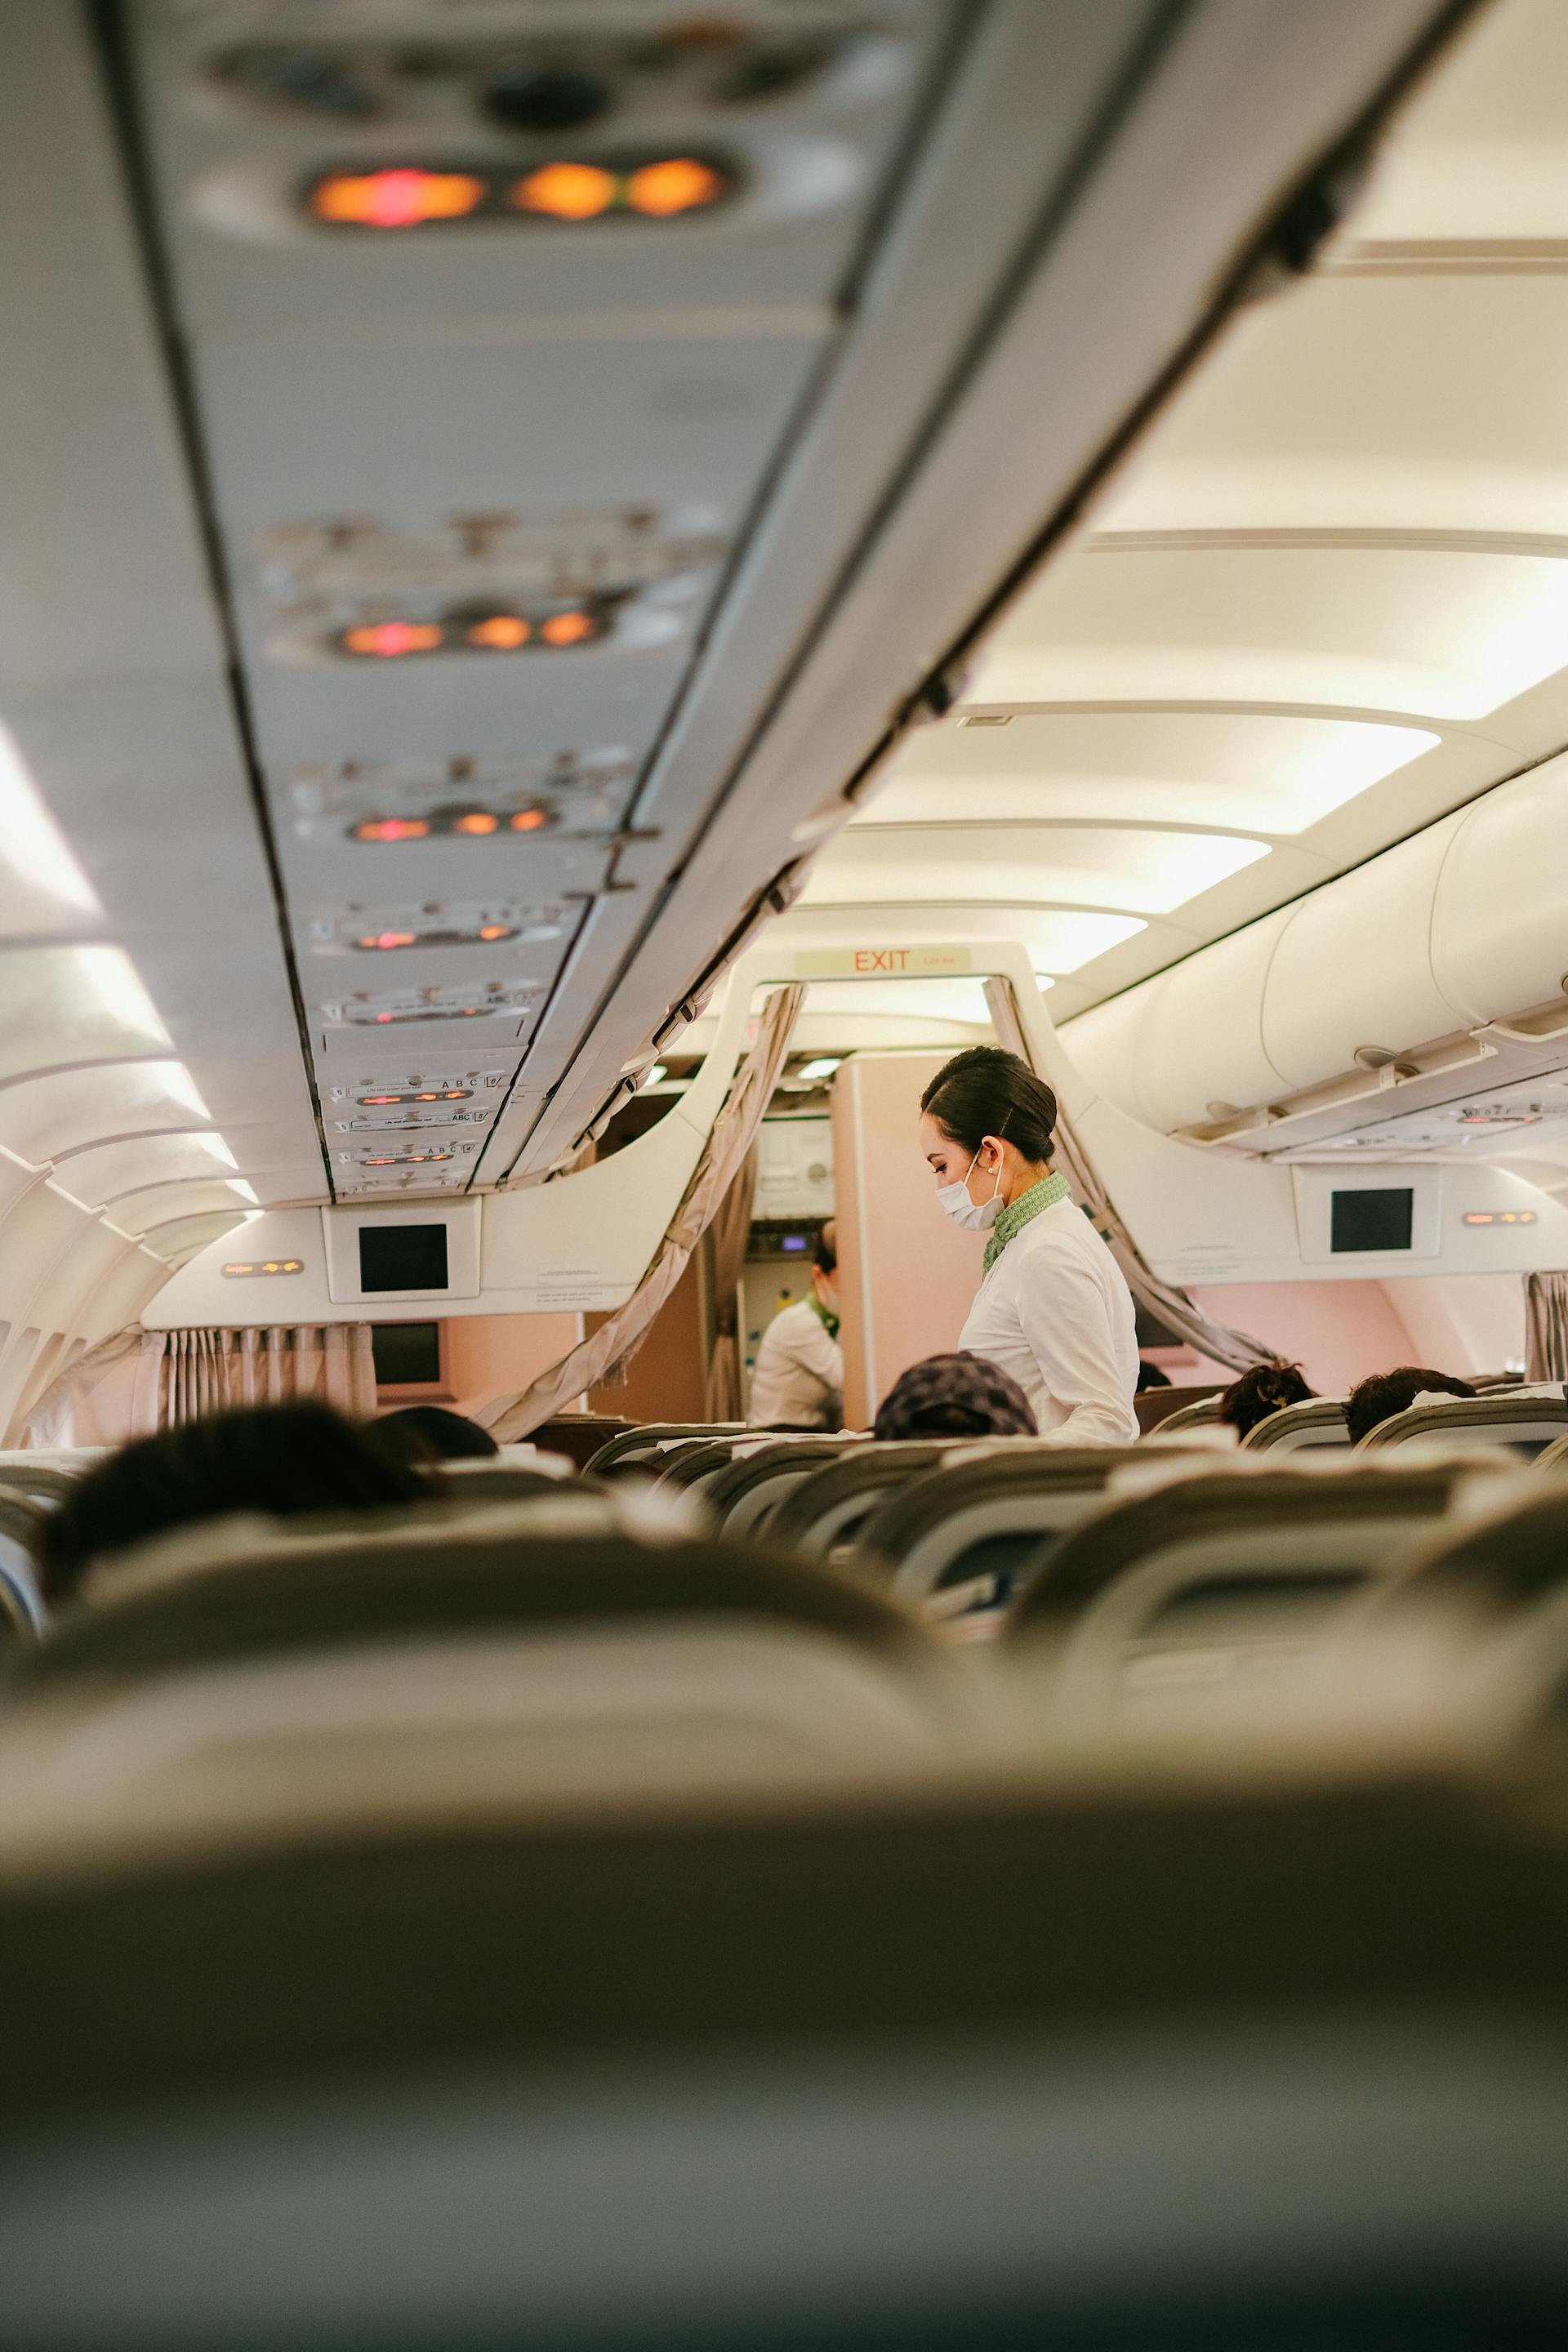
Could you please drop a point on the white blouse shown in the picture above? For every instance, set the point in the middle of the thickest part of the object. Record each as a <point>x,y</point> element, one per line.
<point>1056,1313</point>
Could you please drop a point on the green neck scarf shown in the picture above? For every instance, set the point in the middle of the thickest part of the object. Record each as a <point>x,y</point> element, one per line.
<point>824,1316</point>
<point>1017,1213</point>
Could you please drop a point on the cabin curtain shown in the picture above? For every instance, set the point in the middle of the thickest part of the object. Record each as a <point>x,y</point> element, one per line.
<point>139,1381</point>
<point>1173,1307</point>
<point>596,1361</point>
<point>1546,1327</point>
<point>725,1399</point>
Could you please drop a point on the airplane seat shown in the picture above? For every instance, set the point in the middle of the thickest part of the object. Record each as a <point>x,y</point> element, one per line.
<point>975,1522</point>
<point>298,1677</point>
<point>1525,1424</point>
<point>1260,2062</point>
<point>745,1495</point>
<point>1317,1424</point>
<point>1215,1580</point>
<point>485,1479</point>
<point>698,1464</point>
<point>21,1612</point>
<point>43,1481</point>
<point>825,1512</point>
<point>634,1446</point>
<point>1196,1415</point>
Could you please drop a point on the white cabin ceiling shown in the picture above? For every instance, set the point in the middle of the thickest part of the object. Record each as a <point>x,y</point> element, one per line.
<point>1323,603</point>
<point>419,653</point>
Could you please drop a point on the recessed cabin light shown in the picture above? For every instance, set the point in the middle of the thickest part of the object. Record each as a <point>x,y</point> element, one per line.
<point>987,719</point>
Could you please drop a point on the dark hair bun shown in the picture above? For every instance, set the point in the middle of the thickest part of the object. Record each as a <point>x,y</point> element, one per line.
<point>983,1091</point>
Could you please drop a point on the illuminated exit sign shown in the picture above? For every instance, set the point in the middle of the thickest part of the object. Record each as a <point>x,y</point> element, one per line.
<point>881,963</point>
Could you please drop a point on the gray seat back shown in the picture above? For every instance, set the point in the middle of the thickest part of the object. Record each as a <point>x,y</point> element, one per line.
<point>1526,1425</point>
<point>1315,1423</point>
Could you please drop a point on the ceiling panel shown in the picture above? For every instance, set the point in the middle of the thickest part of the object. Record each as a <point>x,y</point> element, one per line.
<point>1140,872</point>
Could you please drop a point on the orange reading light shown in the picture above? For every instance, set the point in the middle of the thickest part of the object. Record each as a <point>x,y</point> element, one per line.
<point>681,185</point>
<point>403,198</point>
<point>387,940</point>
<point>390,640</point>
<point>528,820</point>
<point>495,931</point>
<point>568,192</point>
<point>569,628</point>
<point>392,828</point>
<point>1500,1216</point>
<point>269,1266</point>
<point>476,821</point>
<point>503,634</point>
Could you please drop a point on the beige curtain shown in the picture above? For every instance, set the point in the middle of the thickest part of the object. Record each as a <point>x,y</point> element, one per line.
<point>139,1381</point>
<point>730,1232</point>
<point>1546,1327</point>
<point>594,1361</point>
<point>1173,1307</point>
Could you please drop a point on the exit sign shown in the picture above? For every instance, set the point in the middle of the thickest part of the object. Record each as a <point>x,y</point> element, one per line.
<point>880,963</point>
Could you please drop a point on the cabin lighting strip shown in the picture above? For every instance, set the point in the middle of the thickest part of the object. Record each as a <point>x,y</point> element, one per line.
<point>243,1267</point>
<point>1500,1216</point>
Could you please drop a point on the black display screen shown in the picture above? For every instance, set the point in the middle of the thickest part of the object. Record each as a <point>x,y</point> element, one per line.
<point>406,1354</point>
<point>403,1257</point>
<point>1372,1221</point>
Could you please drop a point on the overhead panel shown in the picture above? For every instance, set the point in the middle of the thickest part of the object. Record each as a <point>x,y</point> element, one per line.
<point>1321,607</point>
<point>497,318</point>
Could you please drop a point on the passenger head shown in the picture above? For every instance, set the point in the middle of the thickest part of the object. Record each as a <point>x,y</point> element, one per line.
<point>1386,1393</point>
<point>430,1433</point>
<point>956,1396</point>
<point>987,1124</point>
<point>825,1268</point>
<point>1262,1390</point>
<point>286,1460</point>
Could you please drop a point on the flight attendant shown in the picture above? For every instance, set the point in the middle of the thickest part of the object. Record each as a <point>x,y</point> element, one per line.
<point>1053,1309</point>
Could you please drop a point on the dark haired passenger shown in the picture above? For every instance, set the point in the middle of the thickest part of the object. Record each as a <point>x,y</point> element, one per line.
<point>798,1382</point>
<point>1053,1310</point>
<point>1262,1390</point>
<point>954,1396</point>
<point>285,1460</point>
<point>431,1433</point>
<point>1386,1393</point>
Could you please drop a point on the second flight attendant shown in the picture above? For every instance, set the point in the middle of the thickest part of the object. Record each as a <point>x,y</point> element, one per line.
<point>1053,1308</point>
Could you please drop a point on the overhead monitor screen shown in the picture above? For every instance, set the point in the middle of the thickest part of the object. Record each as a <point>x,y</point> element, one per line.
<point>406,1354</point>
<point>403,1257</point>
<point>1372,1221</point>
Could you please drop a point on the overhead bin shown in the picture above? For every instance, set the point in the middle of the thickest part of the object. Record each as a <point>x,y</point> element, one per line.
<point>1463,929</point>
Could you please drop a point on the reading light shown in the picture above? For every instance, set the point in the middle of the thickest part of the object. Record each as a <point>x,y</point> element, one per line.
<point>681,185</point>
<point>503,633</point>
<point>404,1158</point>
<point>386,939</point>
<point>823,1067</point>
<point>530,820</point>
<point>400,198</point>
<point>476,822</point>
<point>394,640</point>
<point>568,192</point>
<point>391,828</point>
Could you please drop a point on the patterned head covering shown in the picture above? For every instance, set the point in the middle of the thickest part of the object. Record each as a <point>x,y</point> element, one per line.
<point>956,1396</point>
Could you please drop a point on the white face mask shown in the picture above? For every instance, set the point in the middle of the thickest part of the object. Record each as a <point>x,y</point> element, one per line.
<point>975,1216</point>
